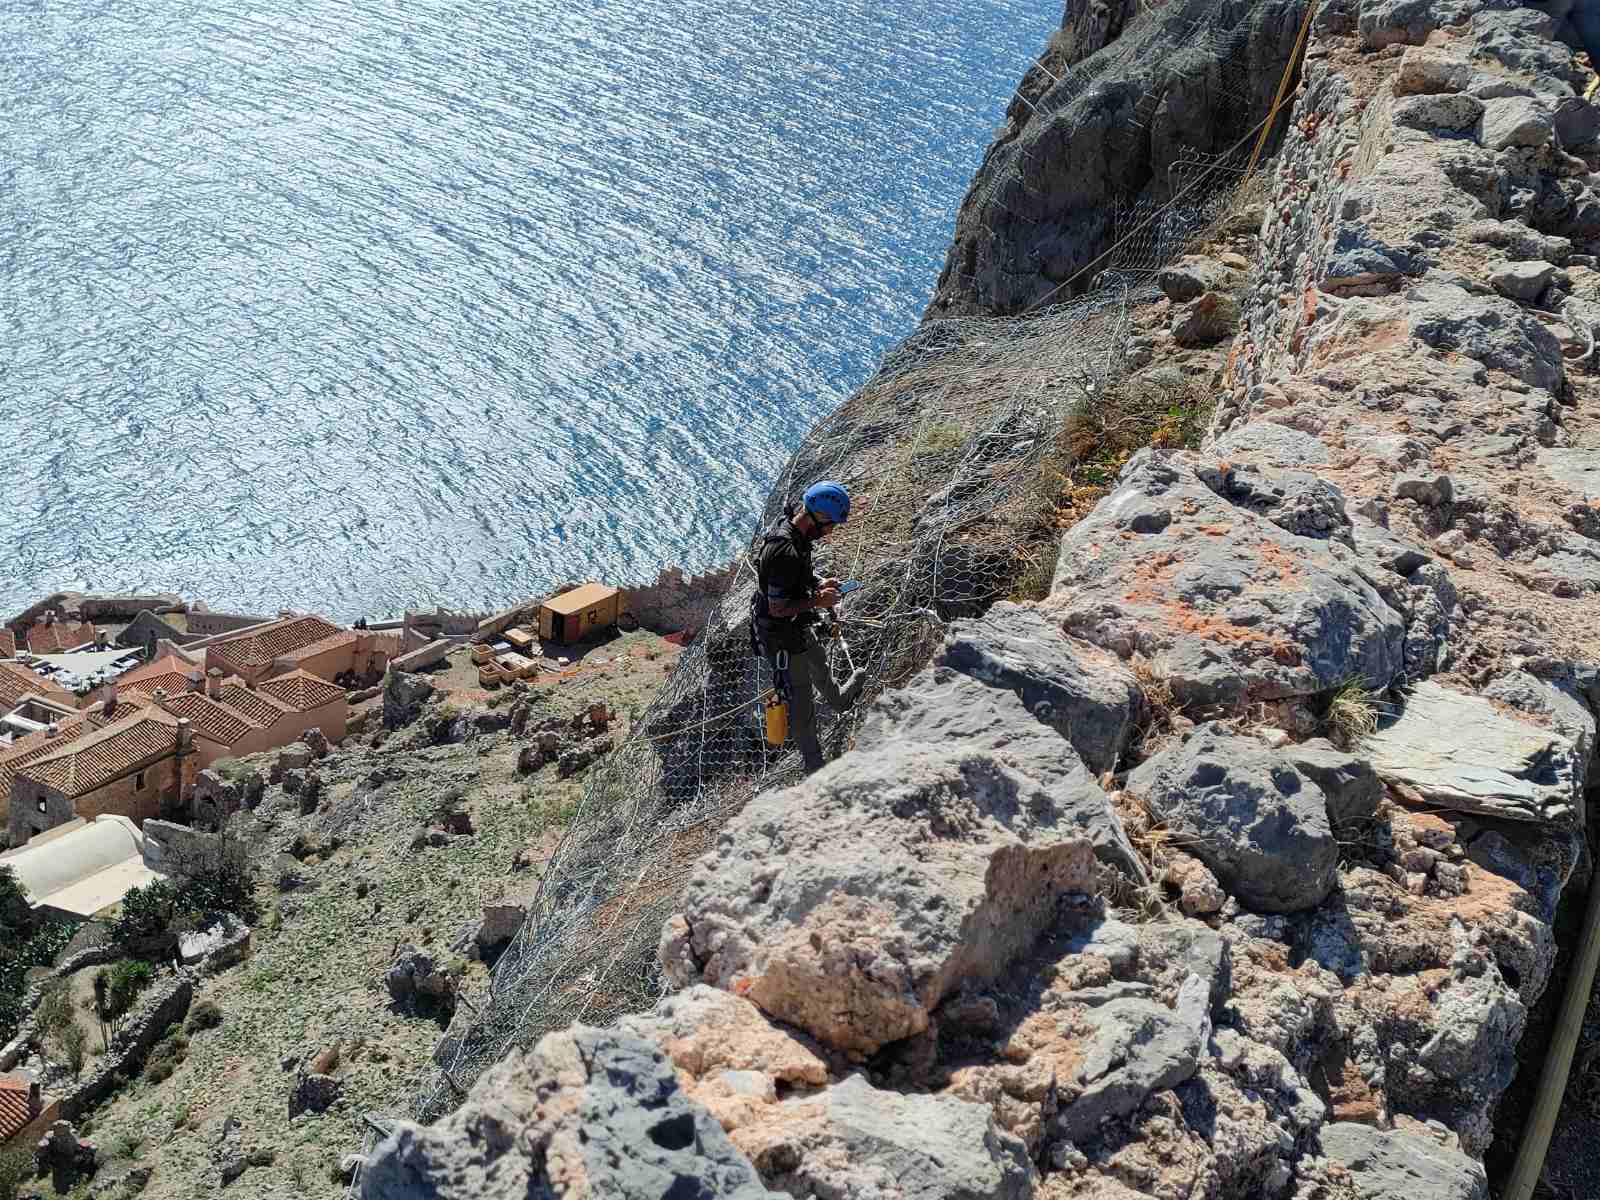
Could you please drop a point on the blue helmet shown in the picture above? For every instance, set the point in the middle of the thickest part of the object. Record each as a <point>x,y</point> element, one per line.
<point>829,500</point>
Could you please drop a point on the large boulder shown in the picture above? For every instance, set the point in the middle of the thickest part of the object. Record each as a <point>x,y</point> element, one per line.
<point>1246,813</point>
<point>942,707</point>
<point>1464,753</point>
<point>1211,573</point>
<point>852,904</point>
<point>1078,689</point>
<point>587,1113</point>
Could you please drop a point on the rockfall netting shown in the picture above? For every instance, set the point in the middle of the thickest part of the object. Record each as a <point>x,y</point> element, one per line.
<point>952,453</point>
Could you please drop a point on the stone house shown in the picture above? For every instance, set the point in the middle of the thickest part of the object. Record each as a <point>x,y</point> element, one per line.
<point>293,642</point>
<point>230,719</point>
<point>170,673</point>
<point>18,684</point>
<point>135,766</point>
<point>202,622</point>
<point>83,867</point>
<point>24,1112</point>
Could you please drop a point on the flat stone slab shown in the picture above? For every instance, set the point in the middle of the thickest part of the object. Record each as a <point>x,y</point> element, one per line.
<point>1576,469</point>
<point>1391,1165</point>
<point>1463,753</point>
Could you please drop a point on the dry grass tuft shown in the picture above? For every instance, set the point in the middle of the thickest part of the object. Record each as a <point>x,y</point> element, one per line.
<point>1352,714</point>
<point>1160,710</point>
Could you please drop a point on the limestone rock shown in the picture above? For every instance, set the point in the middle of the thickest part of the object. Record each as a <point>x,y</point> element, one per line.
<point>941,706</point>
<point>1139,1047</point>
<point>1247,814</point>
<point>1352,788</point>
<point>404,694</point>
<point>1516,121</point>
<point>1206,320</point>
<point>1391,1165</point>
<point>1578,469</point>
<point>587,1113</point>
<point>1491,329</point>
<point>1041,209</point>
<point>1246,610</point>
<point>852,904</point>
<point>1524,281</point>
<point>1386,22</point>
<point>855,1140</point>
<point>499,924</point>
<point>1192,276</point>
<point>1269,442</point>
<point>1199,893</point>
<point>1078,689</point>
<point>1444,111</point>
<point>314,1093</point>
<point>1461,753</point>
<point>728,1055</point>
<point>1427,70</point>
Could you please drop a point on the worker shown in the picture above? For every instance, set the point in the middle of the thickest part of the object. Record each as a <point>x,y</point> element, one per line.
<point>784,612</point>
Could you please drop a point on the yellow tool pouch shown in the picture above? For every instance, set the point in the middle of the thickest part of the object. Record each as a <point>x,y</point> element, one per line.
<point>777,715</point>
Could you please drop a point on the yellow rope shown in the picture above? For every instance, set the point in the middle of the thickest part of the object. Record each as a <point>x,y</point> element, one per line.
<point>1283,84</point>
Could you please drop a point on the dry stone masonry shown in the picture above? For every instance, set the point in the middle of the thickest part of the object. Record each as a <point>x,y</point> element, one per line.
<point>1105,902</point>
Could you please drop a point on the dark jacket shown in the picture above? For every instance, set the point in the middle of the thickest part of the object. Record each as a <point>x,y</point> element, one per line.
<point>784,575</point>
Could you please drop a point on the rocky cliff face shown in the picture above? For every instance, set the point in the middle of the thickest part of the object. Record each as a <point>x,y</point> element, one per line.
<point>1117,897</point>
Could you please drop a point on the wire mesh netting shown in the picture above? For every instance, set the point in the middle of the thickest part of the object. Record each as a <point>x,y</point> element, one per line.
<point>947,452</point>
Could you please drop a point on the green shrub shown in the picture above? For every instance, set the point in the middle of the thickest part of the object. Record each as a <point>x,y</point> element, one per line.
<point>147,911</point>
<point>205,1015</point>
<point>16,1169</point>
<point>74,1041</point>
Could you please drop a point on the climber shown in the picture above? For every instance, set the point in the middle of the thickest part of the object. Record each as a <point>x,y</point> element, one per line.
<point>783,613</point>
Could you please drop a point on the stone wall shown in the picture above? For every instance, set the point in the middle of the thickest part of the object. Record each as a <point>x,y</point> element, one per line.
<point>676,602</point>
<point>203,622</point>
<point>169,1002</point>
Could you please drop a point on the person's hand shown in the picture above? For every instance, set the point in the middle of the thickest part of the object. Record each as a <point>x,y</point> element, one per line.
<point>828,597</point>
<point>829,582</point>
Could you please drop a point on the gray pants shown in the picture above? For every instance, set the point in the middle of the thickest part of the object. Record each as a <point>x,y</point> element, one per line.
<point>808,669</point>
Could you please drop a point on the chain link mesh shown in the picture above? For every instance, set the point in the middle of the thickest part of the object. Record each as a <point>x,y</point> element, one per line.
<point>945,452</point>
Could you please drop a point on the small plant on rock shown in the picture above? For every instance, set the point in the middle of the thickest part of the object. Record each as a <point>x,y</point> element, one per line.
<point>1352,713</point>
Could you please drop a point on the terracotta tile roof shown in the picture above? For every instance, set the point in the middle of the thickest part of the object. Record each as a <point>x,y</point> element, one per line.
<point>62,636</point>
<point>8,644</point>
<point>165,666</point>
<point>96,759</point>
<point>16,681</point>
<point>24,750</point>
<point>301,690</point>
<point>174,684</point>
<point>278,640</point>
<point>263,710</point>
<point>212,718</point>
<point>14,1114</point>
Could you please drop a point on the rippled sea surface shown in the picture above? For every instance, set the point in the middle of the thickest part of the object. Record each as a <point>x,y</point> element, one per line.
<point>350,305</point>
